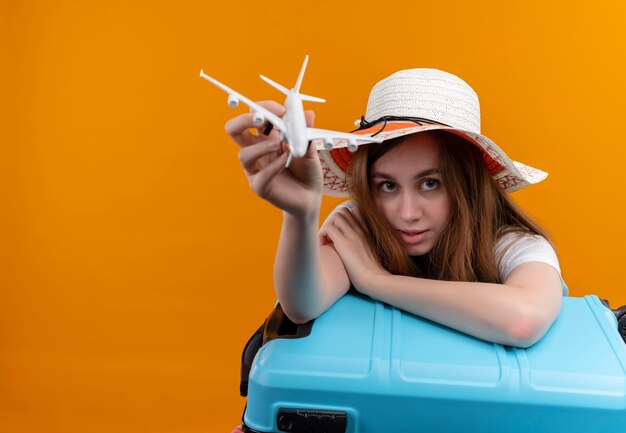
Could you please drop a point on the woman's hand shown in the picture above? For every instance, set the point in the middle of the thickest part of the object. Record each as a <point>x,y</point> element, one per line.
<point>347,231</point>
<point>296,189</point>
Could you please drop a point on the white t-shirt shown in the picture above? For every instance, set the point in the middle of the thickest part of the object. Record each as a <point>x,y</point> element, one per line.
<point>513,249</point>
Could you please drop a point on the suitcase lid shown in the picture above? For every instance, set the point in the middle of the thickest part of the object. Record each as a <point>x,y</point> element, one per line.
<point>361,344</point>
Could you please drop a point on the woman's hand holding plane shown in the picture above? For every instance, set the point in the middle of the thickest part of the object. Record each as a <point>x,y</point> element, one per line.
<point>296,189</point>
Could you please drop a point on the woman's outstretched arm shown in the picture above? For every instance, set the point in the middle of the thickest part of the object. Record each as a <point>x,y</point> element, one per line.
<point>308,277</point>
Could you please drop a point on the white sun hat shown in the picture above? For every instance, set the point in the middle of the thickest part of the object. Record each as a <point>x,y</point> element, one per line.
<point>417,100</point>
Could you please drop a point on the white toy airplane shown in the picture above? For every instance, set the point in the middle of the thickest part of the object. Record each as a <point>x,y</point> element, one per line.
<point>292,126</point>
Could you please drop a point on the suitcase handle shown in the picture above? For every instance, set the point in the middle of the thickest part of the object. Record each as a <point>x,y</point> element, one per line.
<point>620,314</point>
<point>277,325</point>
<point>247,356</point>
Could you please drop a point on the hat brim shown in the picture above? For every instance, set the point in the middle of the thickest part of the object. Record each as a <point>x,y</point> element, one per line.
<point>510,175</point>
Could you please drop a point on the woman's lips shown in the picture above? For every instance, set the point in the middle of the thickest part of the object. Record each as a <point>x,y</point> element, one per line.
<point>412,237</point>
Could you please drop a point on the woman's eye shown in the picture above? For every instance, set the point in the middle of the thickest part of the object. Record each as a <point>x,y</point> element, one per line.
<point>430,184</point>
<point>388,186</point>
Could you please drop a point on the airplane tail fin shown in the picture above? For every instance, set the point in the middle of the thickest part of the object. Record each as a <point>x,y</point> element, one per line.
<point>301,76</point>
<point>311,98</point>
<point>284,90</point>
<point>275,85</point>
<point>299,83</point>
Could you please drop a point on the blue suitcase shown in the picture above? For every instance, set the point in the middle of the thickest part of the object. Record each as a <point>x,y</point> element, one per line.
<point>364,366</point>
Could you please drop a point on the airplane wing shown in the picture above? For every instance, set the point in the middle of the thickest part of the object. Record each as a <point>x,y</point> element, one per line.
<point>323,138</point>
<point>268,115</point>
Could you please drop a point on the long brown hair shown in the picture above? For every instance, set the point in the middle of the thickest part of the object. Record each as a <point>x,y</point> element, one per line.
<point>480,213</point>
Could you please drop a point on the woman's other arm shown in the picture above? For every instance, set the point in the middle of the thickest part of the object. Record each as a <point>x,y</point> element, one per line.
<point>515,313</point>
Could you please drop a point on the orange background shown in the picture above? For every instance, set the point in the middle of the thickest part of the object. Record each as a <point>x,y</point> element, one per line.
<point>134,259</point>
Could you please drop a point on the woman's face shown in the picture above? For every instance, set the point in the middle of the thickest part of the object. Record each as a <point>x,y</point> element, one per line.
<point>408,190</point>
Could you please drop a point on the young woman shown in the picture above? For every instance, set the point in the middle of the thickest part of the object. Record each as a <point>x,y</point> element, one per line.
<point>430,229</point>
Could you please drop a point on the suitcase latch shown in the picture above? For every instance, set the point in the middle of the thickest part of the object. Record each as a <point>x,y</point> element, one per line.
<point>311,421</point>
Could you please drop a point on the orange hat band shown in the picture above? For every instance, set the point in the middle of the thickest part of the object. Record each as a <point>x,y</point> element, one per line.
<point>342,156</point>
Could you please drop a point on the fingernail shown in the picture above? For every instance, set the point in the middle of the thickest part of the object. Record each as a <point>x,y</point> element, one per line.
<point>273,144</point>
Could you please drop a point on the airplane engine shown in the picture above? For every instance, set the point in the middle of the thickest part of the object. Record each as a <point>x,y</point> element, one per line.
<point>258,119</point>
<point>233,102</point>
<point>328,144</point>
<point>352,145</point>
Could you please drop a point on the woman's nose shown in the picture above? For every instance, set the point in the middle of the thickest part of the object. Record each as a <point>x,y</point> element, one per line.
<point>410,207</point>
